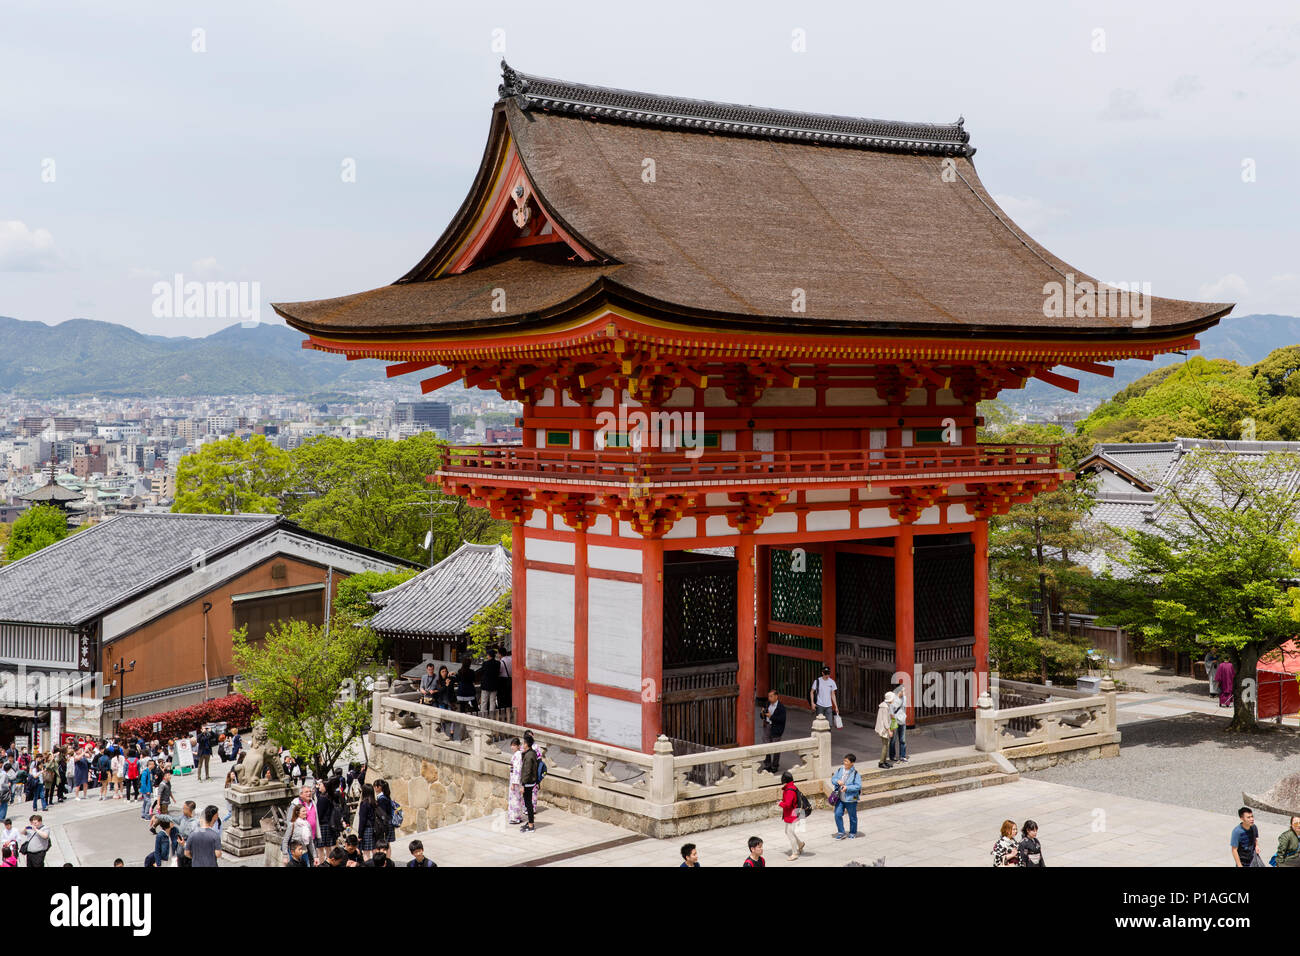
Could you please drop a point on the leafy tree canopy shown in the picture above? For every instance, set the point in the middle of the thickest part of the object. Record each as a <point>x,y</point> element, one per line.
<point>36,528</point>
<point>233,475</point>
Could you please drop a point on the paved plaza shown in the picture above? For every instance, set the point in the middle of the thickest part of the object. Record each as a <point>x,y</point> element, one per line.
<point>1168,799</point>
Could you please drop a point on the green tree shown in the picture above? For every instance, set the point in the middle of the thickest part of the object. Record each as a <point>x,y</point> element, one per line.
<point>231,476</point>
<point>1214,569</point>
<point>1031,560</point>
<point>35,528</point>
<point>353,596</point>
<point>490,626</point>
<point>374,493</point>
<point>1199,398</point>
<point>307,682</point>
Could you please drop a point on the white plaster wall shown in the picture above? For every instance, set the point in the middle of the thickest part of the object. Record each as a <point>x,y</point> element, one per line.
<point>540,519</point>
<point>616,722</point>
<point>781,522</point>
<point>548,623</point>
<point>875,518</point>
<point>682,395</point>
<point>828,521</point>
<point>716,397</point>
<point>614,559</point>
<point>826,494</point>
<point>958,513</point>
<point>614,634</point>
<point>551,706</point>
<point>841,397</point>
<point>787,397</point>
<point>553,552</point>
<point>930,515</point>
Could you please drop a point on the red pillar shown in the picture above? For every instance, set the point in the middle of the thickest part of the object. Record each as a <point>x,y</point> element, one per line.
<point>763,596</point>
<point>905,614</point>
<point>745,640</point>
<point>518,607</point>
<point>652,641</point>
<point>580,635</point>
<point>980,538</point>
<point>828,605</point>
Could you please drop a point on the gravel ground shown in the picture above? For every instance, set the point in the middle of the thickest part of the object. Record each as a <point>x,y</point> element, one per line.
<point>1190,762</point>
<point>1157,680</point>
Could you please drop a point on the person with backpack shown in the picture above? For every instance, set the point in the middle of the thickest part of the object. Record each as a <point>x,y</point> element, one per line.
<point>391,809</point>
<point>81,774</point>
<point>146,791</point>
<point>846,788</point>
<point>7,778</point>
<point>38,841</point>
<point>329,818</point>
<point>529,778</point>
<point>532,744</point>
<point>132,775</point>
<point>104,764</point>
<point>370,826</point>
<point>791,813</point>
<point>824,696</point>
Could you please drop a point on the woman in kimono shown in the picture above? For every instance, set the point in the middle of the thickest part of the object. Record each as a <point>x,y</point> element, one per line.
<point>515,797</point>
<point>1226,675</point>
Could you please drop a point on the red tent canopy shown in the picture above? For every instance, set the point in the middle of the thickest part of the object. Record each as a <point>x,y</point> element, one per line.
<point>1277,682</point>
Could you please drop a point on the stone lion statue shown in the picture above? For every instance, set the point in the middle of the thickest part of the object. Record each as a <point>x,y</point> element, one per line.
<point>261,757</point>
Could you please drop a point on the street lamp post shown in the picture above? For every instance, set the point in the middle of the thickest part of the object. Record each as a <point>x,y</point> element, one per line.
<point>121,669</point>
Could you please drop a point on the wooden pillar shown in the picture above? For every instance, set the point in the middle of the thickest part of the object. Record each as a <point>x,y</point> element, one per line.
<point>980,538</point>
<point>518,609</point>
<point>763,596</point>
<point>652,641</point>
<point>905,614</point>
<point>745,640</point>
<point>828,605</point>
<point>580,635</point>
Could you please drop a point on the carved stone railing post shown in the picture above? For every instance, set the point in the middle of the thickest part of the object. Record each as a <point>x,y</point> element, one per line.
<point>822,761</point>
<point>377,704</point>
<point>663,775</point>
<point>986,728</point>
<point>589,770</point>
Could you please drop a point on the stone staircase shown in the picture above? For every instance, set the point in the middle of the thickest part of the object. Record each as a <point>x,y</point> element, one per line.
<point>931,776</point>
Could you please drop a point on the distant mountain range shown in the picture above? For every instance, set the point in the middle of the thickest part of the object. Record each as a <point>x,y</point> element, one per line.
<point>1246,340</point>
<point>86,357</point>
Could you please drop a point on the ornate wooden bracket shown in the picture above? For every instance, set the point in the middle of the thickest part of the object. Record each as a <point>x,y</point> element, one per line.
<point>572,508</point>
<point>651,516</point>
<point>912,501</point>
<point>754,508</point>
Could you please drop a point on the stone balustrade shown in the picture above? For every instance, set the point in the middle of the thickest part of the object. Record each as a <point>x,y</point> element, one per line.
<point>448,766</point>
<point>1057,725</point>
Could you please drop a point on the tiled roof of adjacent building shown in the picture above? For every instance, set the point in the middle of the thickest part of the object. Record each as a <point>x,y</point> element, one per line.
<point>441,601</point>
<point>72,581</point>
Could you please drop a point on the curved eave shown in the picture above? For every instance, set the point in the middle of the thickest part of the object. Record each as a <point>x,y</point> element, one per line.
<point>608,295</point>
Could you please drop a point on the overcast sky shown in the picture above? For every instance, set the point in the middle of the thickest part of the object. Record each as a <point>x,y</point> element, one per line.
<point>1121,150</point>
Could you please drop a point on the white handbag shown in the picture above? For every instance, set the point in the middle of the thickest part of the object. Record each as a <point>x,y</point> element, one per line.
<point>839,722</point>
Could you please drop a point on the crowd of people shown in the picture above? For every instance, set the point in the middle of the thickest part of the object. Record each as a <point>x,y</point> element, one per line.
<point>468,690</point>
<point>112,769</point>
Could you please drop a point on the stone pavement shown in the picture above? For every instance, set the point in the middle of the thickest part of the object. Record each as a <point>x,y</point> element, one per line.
<point>1077,827</point>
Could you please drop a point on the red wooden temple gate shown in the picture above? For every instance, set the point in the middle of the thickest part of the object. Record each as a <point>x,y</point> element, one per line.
<point>737,328</point>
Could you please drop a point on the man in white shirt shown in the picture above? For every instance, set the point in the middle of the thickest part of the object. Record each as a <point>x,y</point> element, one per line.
<point>823,696</point>
<point>7,833</point>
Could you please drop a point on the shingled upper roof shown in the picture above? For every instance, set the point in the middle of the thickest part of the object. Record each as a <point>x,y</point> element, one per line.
<point>885,226</point>
<point>442,600</point>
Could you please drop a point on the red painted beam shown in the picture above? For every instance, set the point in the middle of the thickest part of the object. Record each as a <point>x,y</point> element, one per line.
<point>438,381</point>
<point>401,368</point>
<point>1094,367</point>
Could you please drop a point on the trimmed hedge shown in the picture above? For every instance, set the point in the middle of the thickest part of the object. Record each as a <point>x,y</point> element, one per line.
<point>236,710</point>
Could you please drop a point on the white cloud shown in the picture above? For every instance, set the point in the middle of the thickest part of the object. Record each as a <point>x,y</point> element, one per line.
<point>1186,87</point>
<point>1126,106</point>
<point>138,272</point>
<point>26,250</point>
<point>1028,213</point>
<point>206,268</point>
<point>1231,288</point>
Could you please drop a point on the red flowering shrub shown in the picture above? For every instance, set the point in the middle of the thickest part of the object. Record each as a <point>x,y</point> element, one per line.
<point>236,710</point>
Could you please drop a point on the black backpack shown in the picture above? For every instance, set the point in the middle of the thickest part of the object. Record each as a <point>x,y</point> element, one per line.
<point>382,819</point>
<point>804,805</point>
